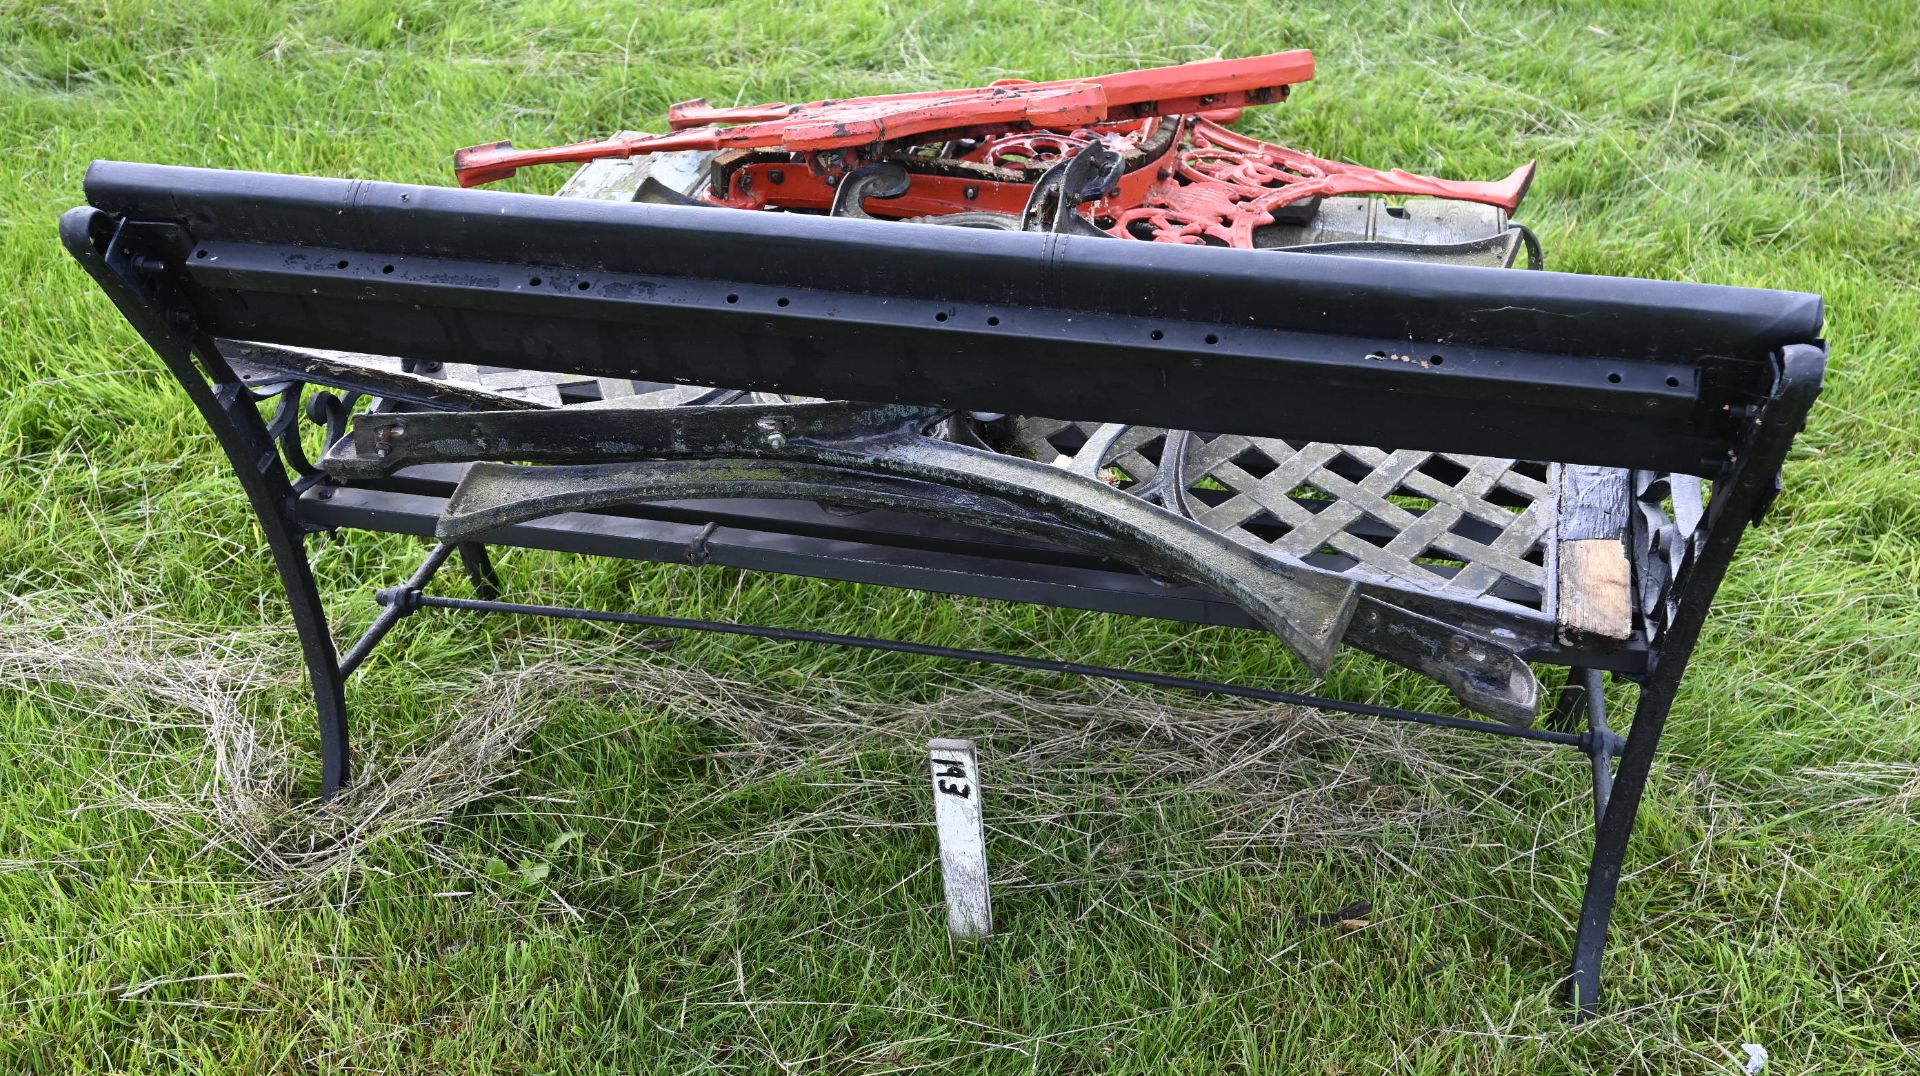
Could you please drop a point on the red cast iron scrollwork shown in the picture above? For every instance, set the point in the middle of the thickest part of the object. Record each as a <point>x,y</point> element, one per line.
<point>1187,178</point>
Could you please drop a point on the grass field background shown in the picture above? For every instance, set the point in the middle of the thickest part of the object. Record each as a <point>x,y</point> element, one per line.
<point>718,856</point>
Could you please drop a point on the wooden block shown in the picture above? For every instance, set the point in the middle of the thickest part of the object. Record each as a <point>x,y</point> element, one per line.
<point>1595,576</point>
<point>1596,587</point>
<point>1593,502</point>
<point>611,179</point>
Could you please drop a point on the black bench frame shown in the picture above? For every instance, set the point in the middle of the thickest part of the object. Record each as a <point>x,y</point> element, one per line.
<point>1721,381</point>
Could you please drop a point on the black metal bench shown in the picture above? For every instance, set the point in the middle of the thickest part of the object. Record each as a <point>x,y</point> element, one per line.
<point>1214,462</point>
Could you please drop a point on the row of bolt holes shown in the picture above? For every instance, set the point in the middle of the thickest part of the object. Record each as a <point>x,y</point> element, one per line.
<point>992,319</point>
<point>1212,338</point>
<point>341,264</point>
<point>534,282</point>
<point>1440,360</point>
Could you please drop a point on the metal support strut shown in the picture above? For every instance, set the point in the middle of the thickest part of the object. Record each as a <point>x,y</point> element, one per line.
<point>1737,502</point>
<point>480,571</point>
<point>1603,744</point>
<point>396,602</point>
<point>410,597</point>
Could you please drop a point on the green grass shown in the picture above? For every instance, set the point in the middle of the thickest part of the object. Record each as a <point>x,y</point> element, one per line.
<point>642,896</point>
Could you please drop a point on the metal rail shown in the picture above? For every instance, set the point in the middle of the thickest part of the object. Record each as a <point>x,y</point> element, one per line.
<point>1579,369</point>
<point>403,600</point>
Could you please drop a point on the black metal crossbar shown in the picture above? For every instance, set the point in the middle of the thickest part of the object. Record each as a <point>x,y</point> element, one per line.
<point>1212,408</point>
<point>1558,366</point>
<point>399,601</point>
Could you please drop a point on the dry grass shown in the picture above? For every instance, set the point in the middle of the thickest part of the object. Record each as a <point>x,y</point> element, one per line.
<point>198,744</point>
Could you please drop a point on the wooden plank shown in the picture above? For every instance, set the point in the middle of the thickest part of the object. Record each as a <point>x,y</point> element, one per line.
<point>611,180</point>
<point>1595,576</point>
<point>1595,585</point>
<point>1593,502</point>
<point>963,838</point>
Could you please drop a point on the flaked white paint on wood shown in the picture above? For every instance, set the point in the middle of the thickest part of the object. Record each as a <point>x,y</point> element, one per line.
<point>614,179</point>
<point>611,179</point>
<point>963,837</point>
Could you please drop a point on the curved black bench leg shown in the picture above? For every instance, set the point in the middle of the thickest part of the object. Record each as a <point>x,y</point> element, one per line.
<point>316,647</point>
<point>127,262</point>
<point>243,434</point>
<point>1739,499</point>
<point>1610,839</point>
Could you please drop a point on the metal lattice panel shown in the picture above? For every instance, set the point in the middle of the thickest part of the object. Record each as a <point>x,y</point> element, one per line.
<point>1464,526</point>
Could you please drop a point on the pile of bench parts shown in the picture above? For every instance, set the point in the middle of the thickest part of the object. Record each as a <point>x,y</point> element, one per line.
<point>1071,343</point>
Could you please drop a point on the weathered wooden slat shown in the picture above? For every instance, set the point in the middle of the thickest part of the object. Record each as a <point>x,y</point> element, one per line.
<point>611,179</point>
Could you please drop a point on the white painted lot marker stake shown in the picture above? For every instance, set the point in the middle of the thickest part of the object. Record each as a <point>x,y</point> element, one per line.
<point>963,838</point>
